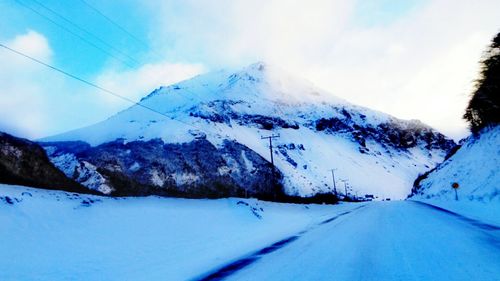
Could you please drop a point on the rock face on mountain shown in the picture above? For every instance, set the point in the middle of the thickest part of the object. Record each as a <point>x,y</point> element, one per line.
<point>23,162</point>
<point>196,169</point>
<point>372,152</point>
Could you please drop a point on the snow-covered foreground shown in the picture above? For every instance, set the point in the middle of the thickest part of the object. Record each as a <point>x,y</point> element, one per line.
<point>54,235</point>
<point>399,240</point>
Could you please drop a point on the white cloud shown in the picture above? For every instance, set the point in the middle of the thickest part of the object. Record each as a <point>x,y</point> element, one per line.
<point>33,44</point>
<point>134,84</point>
<point>36,101</point>
<point>22,104</point>
<point>225,32</point>
<point>419,65</point>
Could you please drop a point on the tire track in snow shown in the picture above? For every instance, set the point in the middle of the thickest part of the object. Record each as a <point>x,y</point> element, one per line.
<point>230,268</point>
<point>490,230</point>
<point>476,223</point>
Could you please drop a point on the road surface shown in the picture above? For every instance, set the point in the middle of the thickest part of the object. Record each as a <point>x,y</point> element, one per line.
<point>399,240</point>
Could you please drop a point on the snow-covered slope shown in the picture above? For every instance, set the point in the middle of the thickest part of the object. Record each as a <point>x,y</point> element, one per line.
<point>373,152</point>
<point>55,235</point>
<point>475,167</point>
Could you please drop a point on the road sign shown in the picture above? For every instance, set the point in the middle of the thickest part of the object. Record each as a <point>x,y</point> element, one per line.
<point>455,186</point>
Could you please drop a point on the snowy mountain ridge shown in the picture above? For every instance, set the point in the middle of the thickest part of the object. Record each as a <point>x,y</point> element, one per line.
<point>372,152</point>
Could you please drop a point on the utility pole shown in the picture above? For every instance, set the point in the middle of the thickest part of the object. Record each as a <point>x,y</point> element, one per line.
<point>345,187</point>
<point>271,137</point>
<point>333,178</point>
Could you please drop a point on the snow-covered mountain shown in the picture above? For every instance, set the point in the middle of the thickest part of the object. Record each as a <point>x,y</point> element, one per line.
<point>474,167</point>
<point>228,113</point>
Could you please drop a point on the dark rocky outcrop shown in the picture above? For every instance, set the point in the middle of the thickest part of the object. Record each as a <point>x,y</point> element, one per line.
<point>221,111</point>
<point>393,134</point>
<point>24,162</point>
<point>196,169</point>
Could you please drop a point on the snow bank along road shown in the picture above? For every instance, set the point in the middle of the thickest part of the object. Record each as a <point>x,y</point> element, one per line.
<point>55,235</point>
<point>399,240</point>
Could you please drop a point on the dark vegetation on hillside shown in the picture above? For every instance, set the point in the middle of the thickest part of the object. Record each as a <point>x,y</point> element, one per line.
<point>484,106</point>
<point>196,169</point>
<point>23,162</point>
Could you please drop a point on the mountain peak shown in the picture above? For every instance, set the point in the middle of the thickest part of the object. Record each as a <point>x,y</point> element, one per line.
<point>259,65</point>
<point>260,71</point>
<point>254,84</point>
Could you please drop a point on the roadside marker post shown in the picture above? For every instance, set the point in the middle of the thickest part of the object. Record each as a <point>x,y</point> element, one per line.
<point>455,186</point>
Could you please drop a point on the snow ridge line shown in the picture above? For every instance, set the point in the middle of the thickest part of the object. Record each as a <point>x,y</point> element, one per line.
<point>474,222</point>
<point>232,267</point>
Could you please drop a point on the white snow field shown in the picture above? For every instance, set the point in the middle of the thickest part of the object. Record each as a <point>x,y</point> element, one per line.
<point>55,235</point>
<point>476,168</point>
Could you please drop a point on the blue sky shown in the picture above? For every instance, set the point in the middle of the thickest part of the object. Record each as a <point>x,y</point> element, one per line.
<point>72,53</point>
<point>413,59</point>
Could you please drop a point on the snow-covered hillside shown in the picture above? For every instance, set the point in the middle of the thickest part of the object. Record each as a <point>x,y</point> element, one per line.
<point>475,167</point>
<point>373,152</point>
<point>55,235</point>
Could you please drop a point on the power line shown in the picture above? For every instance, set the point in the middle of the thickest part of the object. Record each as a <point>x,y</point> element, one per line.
<point>95,46</point>
<point>94,85</point>
<point>107,18</point>
<point>86,31</point>
<point>72,33</point>
<point>114,23</point>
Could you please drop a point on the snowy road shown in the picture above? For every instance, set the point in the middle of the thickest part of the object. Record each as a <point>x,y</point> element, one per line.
<point>397,240</point>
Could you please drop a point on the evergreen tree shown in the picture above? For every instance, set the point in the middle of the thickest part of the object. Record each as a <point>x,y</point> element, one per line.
<point>484,107</point>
